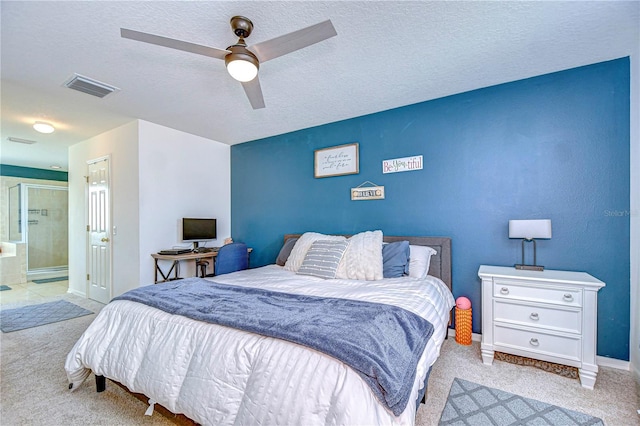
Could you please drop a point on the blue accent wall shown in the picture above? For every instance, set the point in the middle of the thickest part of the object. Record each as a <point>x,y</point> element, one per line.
<point>555,146</point>
<point>32,173</point>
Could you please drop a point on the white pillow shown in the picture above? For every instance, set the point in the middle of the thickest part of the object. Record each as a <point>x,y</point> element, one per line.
<point>302,247</point>
<point>419,260</point>
<point>363,258</point>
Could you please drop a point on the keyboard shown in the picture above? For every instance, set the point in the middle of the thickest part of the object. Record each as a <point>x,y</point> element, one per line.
<point>173,252</point>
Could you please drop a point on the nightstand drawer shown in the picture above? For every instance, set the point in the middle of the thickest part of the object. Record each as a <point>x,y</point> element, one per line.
<point>541,343</point>
<point>537,292</point>
<point>551,317</point>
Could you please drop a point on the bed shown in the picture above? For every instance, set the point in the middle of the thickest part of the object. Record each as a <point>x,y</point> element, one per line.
<point>219,374</point>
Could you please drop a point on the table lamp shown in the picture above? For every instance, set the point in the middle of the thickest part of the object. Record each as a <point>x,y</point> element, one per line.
<point>529,230</point>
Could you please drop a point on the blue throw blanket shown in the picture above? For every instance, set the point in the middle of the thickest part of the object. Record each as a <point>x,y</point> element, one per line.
<point>382,343</point>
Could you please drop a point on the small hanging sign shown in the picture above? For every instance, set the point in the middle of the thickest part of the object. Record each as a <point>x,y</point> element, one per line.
<point>405,164</point>
<point>372,192</point>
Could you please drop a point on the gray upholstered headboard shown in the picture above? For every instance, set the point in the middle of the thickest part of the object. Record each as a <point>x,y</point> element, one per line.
<point>440,265</point>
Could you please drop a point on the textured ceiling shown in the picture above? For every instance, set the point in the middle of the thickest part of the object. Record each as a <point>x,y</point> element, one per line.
<point>387,54</point>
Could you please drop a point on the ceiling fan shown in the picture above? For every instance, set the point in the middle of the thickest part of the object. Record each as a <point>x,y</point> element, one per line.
<point>243,61</point>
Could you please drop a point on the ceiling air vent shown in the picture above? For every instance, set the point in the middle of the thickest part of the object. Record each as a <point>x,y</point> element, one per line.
<point>20,140</point>
<point>89,86</point>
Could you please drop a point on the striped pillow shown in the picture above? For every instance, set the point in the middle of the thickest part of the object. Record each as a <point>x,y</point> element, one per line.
<point>323,258</point>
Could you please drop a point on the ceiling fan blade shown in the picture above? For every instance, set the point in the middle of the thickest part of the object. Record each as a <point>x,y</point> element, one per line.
<point>287,43</point>
<point>254,93</point>
<point>174,44</point>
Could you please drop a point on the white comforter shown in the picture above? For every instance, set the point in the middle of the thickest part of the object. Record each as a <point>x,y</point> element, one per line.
<point>219,375</point>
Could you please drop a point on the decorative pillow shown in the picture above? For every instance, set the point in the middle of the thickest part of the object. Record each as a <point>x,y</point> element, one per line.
<point>395,259</point>
<point>363,258</point>
<point>323,258</point>
<point>302,246</point>
<point>419,260</point>
<point>285,251</point>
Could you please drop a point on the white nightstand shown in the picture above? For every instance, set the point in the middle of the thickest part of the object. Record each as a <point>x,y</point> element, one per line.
<point>547,315</point>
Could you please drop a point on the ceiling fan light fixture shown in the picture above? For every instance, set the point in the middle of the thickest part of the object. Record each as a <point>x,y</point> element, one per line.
<point>42,127</point>
<point>241,63</point>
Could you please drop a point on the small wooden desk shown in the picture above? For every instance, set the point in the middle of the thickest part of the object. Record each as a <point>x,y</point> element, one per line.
<point>176,258</point>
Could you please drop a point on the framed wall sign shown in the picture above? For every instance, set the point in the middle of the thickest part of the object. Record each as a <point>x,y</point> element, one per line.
<point>367,193</point>
<point>336,161</point>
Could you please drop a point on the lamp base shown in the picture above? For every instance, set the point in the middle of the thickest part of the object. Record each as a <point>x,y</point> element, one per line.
<point>530,267</point>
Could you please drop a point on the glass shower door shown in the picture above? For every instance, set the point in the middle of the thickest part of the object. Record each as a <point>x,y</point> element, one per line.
<point>47,234</point>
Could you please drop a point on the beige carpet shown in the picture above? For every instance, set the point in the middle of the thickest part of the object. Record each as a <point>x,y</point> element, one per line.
<point>33,389</point>
<point>614,398</point>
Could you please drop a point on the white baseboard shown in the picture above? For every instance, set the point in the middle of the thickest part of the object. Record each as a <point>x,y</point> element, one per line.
<point>602,361</point>
<point>619,364</point>
<point>77,293</point>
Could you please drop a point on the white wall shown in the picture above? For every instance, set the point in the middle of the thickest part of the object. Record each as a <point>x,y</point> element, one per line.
<point>121,144</point>
<point>181,175</point>
<point>634,341</point>
<point>158,176</point>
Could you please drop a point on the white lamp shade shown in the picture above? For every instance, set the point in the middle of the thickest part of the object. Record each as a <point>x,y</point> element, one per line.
<point>529,229</point>
<point>242,70</point>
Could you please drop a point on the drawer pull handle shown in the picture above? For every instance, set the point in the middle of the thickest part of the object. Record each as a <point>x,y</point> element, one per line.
<point>534,342</point>
<point>504,290</point>
<point>534,316</point>
<point>567,297</point>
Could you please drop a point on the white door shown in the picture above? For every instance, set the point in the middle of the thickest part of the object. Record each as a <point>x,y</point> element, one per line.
<point>98,235</point>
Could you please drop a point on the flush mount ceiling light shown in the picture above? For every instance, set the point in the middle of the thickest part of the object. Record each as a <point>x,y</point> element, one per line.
<point>42,127</point>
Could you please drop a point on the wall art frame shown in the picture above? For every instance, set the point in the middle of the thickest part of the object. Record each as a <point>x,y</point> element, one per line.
<point>336,161</point>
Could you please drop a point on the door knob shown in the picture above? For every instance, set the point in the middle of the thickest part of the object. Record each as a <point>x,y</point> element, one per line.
<point>105,240</point>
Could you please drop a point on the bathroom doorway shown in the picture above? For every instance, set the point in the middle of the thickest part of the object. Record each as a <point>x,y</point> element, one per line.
<point>39,218</point>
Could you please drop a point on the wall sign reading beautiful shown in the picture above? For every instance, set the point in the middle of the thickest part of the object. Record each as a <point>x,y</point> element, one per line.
<point>405,164</point>
<point>336,161</point>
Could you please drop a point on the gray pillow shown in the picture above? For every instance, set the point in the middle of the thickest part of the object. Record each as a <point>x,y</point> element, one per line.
<point>285,251</point>
<point>323,258</point>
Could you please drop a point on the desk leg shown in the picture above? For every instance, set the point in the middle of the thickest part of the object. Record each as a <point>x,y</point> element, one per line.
<point>174,269</point>
<point>195,262</point>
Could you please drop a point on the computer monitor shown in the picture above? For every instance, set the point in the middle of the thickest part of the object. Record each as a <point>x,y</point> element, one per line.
<point>196,230</point>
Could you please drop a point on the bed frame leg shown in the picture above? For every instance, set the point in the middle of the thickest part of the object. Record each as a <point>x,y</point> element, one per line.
<point>446,336</point>
<point>101,383</point>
